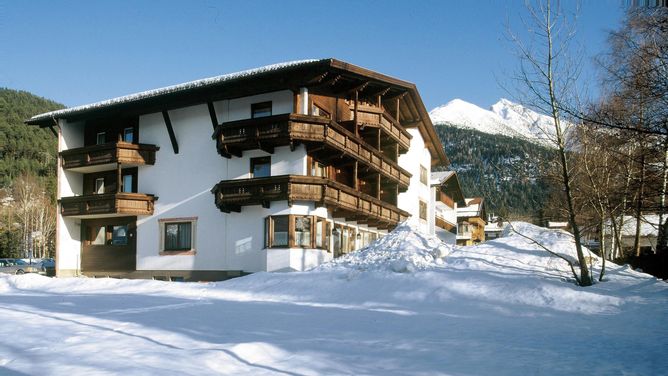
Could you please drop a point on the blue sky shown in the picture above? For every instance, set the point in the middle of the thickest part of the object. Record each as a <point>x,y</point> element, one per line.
<point>78,52</point>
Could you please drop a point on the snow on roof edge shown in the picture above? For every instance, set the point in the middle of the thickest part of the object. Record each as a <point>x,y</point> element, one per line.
<point>173,88</point>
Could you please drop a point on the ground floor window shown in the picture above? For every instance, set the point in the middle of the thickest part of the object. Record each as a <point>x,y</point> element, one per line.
<point>296,231</point>
<point>177,235</point>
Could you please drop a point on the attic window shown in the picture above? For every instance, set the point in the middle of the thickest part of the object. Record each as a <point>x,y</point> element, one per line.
<point>262,109</point>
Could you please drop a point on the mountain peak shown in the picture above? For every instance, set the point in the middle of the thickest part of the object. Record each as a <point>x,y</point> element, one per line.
<point>504,117</point>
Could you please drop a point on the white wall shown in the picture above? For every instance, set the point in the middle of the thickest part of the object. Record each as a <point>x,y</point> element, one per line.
<point>282,102</point>
<point>183,185</point>
<point>68,242</point>
<point>417,155</point>
<point>183,181</point>
<point>283,162</point>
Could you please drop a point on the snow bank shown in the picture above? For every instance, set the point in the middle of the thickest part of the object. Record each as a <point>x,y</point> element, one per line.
<point>404,250</point>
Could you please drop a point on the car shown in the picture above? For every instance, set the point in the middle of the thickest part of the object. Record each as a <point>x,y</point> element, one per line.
<point>17,266</point>
<point>48,266</point>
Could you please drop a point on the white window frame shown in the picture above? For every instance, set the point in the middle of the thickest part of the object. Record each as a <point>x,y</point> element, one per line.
<point>193,236</point>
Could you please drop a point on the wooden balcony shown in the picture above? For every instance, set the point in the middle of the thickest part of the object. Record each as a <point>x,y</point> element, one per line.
<point>445,225</point>
<point>446,200</point>
<point>107,205</point>
<point>317,132</point>
<point>105,156</point>
<point>378,118</point>
<point>231,195</point>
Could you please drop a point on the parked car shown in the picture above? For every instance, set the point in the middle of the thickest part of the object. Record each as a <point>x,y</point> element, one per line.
<point>48,267</point>
<point>17,266</point>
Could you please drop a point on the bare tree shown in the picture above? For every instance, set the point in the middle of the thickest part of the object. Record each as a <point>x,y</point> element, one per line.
<point>549,79</point>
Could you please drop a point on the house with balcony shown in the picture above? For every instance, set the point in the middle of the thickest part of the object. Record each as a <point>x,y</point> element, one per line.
<point>276,168</point>
<point>447,196</point>
<point>471,222</point>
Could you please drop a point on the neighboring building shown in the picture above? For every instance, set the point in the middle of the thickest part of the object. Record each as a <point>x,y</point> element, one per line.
<point>494,227</point>
<point>446,197</point>
<point>309,160</point>
<point>649,232</point>
<point>557,225</point>
<point>471,222</point>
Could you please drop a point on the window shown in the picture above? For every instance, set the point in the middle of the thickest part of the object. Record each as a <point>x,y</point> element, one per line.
<point>297,231</point>
<point>115,235</point>
<point>317,168</point>
<point>260,109</point>
<point>280,232</point>
<point>260,167</point>
<point>423,210</point>
<point>320,227</point>
<point>423,176</point>
<point>177,236</point>
<point>119,235</point>
<point>99,236</point>
<point>129,134</point>
<point>101,138</point>
<point>303,232</point>
<point>127,183</point>
<point>99,186</point>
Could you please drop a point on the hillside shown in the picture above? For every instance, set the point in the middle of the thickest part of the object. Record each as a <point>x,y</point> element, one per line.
<point>25,149</point>
<point>504,170</point>
<point>407,305</point>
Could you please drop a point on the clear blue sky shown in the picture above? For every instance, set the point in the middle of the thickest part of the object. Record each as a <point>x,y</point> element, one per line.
<point>78,52</point>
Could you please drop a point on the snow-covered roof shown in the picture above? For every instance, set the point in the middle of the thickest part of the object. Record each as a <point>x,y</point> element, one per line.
<point>649,225</point>
<point>474,208</point>
<point>171,89</point>
<point>439,177</point>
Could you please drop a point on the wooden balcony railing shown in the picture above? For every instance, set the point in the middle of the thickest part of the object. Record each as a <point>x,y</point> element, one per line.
<point>120,152</point>
<point>377,117</point>
<point>267,132</point>
<point>231,195</point>
<point>445,199</point>
<point>107,205</point>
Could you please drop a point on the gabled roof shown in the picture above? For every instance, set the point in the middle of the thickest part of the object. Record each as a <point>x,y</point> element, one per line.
<point>475,207</point>
<point>323,74</point>
<point>448,181</point>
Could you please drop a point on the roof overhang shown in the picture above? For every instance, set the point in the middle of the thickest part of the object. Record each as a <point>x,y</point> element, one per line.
<point>307,73</point>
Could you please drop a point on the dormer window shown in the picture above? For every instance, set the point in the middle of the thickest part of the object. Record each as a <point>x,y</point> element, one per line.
<point>262,109</point>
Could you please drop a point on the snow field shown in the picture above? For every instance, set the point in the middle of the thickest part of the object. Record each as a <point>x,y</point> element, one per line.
<point>407,305</point>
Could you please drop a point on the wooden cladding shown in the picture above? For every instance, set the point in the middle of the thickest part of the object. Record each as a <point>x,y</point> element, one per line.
<point>344,201</point>
<point>287,129</point>
<point>444,198</point>
<point>378,118</point>
<point>111,204</point>
<point>108,255</point>
<point>120,152</point>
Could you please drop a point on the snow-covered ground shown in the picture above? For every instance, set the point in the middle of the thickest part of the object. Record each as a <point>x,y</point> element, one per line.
<point>407,305</point>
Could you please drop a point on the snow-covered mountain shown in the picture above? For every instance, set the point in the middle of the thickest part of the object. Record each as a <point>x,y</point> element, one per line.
<point>504,118</point>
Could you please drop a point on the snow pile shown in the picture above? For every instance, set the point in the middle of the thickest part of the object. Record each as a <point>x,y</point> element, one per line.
<point>404,250</point>
<point>504,118</point>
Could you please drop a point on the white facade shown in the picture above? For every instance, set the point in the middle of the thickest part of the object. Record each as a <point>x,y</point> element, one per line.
<point>175,188</point>
<point>413,161</point>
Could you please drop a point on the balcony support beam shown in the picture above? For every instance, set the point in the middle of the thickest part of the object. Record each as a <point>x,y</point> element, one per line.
<point>212,114</point>
<point>170,130</point>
